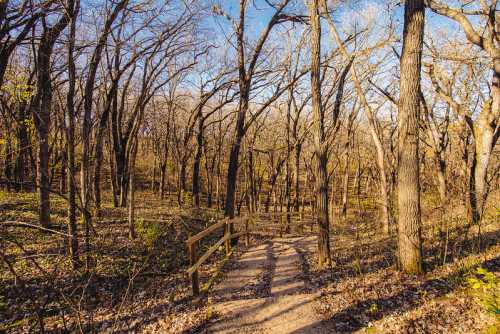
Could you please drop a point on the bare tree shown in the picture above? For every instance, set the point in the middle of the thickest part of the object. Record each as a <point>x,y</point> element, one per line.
<point>246,71</point>
<point>85,184</point>
<point>486,128</point>
<point>320,142</point>
<point>70,140</point>
<point>42,105</point>
<point>375,131</point>
<point>409,216</point>
<point>17,19</point>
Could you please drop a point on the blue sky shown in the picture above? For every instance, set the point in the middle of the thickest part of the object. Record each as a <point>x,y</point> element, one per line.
<point>364,12</point>
<point>258,15</point>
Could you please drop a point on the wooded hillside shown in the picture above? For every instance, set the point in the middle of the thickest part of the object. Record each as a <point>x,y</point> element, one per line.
<point>267,166</point>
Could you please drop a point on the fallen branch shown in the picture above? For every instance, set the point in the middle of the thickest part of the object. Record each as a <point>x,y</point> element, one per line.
<point>28,225</point>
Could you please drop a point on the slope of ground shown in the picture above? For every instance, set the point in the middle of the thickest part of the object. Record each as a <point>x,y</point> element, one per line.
<point>274,286</point>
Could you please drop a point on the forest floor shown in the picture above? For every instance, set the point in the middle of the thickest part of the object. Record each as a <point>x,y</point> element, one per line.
<point>272,286</point>
<point>276,286</point>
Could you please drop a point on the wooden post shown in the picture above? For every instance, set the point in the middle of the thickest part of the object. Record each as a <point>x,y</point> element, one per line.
<point>194,276</point>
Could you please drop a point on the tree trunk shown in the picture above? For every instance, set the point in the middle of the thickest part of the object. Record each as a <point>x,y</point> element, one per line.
<point>384,191</point>
<point>441,173</point>
<point>163,175</point>
<point>232,173</point>
<point>252,192</point>
<point>197,160</point>
<point>103,125</point>
<point>209,171</point>
<point>97,167</point>
<point>298,149</point>
<point>182,176</point>
<point>319,140</point>
<point>372,124</point>
<point>232,169</point>
<point>89,88</point>
<point>62,179</point>
<point>155,163</point>
<point>345,185</point>
<point>122,177</point>
<point>163,172</point>
<point>131,199</point>
<point>288,176</point>
<point>97,174</point>
<point>409,219</point>
<point>43,178</point>
<point>484,141</point>
<point>114,183</point>
<point>23,145</point>
<point>70,146</point>
<point>272,187</point>
<point>332,198</point>
<point>42,122</point>
<point>8,162</point>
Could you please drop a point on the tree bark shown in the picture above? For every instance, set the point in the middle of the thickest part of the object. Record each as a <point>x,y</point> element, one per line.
<point>251,180</point>
<point>131,189</point>
<point>163,172</point>
<point>288,168</point>
<point>23,147</point>
<point>197,159</point>
<point>99,157</point>
<point>345,185</point>
<point>298,151</point>
<point>409,219</point>
<point>114,183</point>
<point>441,173</point>
<point>42,110</point>
<point>319,139</point>
<point>70,143</point>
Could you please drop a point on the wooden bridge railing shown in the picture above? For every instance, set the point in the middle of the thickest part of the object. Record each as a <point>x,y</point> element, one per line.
<point>192,242</point>
<point>256,223</point>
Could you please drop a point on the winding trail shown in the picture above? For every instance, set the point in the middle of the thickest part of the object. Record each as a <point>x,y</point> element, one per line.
<point>267,292</point>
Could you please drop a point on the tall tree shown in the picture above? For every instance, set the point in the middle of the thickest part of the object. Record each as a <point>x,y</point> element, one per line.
<point>246,70</point>
<point>373,126</point>
<point>85,182</point>
<point>409,220</point>
<point>70,140</point>
<point>42,106</point>
<point>485,128</point>
<point>320,147</point>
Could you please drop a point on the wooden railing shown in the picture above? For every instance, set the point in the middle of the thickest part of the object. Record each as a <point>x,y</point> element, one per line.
<point>193,241</point>
<point>257,223</point>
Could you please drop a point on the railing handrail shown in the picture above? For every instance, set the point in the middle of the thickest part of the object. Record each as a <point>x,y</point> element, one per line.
<point>191,242</point>
<point>211,250</point>
<point>206,232</point>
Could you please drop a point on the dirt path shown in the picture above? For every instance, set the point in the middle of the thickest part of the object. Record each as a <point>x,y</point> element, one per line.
<point>267,292</point>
